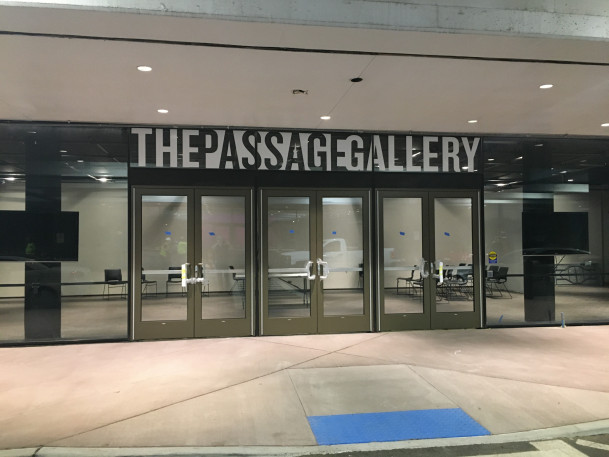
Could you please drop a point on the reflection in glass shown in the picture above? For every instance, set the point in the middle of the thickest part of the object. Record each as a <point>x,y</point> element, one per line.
<point>223,255</point>
<point>343,248</point>
<point>575,289</point>
<point>288,253</point>
<point>164,248</point>
<point>402,252</point>
<point>453,241</point>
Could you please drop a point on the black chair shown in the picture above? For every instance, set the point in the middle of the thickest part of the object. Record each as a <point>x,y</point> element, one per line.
<point>238,282</point>
<point>174,279</point>
<point>490,275</point>
<point>147,284</point>
<point>408,280</point>
<point>113,278</point>
<point>499,281</point>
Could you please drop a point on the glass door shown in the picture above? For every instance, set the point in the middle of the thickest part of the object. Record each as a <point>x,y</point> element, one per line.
<point>192,263</point>
<point>429,266</point>
<point>314,274</point>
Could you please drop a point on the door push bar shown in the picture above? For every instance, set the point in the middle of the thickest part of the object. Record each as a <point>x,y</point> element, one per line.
<point>197,278</point>
<point>424,274</point>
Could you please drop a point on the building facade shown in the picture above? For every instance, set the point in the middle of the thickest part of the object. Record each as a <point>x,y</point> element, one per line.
<point>247,214</point>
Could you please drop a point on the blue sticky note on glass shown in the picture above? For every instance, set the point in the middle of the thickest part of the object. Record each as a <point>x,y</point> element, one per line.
<point>402,233</point>
<point>291,231</point>
<point>212,233</point>
<point>446,233</point>
<point>334,233</point>
<point>167,233</point>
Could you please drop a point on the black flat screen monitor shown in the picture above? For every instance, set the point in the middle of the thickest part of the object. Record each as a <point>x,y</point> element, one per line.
<point>555,233</point>
<point>38,236</point>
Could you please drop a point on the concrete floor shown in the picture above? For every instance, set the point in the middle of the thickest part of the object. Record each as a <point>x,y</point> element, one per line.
<point>259,391</point>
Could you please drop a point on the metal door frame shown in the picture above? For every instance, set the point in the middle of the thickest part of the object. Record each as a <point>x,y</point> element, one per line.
<point>193,325</point>
<point>316,322</point>
<point>429,318</point>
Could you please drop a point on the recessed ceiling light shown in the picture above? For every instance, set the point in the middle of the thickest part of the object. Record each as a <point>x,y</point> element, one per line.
<point>80,161</point>
<point>163,111</point>
<point>539,145</point>
<point>144,68</point>
<point>570,180</point>
<point>464,168</point>
<point>519,158</point>
<point>546,86</point>
<point>606,124</point>
<point>472,121</point>
<point>490,160</point>
<point>10,178</point>
<point>564,171</point>
<point>103,179</point>
<point>325,118</point>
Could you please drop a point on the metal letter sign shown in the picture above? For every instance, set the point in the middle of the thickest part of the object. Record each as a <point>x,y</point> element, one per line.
<point>227,149</point>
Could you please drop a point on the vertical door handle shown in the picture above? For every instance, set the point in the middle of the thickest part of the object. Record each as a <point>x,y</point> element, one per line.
<point>308,268</point>
<point>322,269</point>
<point>422,272</point>
<point>440,275</point>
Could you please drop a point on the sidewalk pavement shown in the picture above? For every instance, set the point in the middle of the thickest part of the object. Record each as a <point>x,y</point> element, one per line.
<point>298,395</point>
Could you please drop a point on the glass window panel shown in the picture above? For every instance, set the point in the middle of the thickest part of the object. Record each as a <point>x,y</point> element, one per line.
<point>453,243</point>
<point>343,250</point>
<point>62,169</point>
<point>164,248</point>
<point>223,254</point>
<point>288,252</point>
<point>402,238</point>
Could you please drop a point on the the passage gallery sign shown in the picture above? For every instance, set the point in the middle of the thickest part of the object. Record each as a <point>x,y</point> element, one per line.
<point>301,151</point>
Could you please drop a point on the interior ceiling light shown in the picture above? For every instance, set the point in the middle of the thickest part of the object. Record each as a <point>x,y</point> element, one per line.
<point>546,86</point>
<point>10,178</point>
<point>606,124</point>
<point>80,161</point>
<point>103,179</point>
<point>163,111</point>
<point>519,158</point>
<point>570,180</point>
<point>490,160</point>
<point>539,145</point>
<point>144,68</point>
<point>472,121</point>
<point>325,118</point>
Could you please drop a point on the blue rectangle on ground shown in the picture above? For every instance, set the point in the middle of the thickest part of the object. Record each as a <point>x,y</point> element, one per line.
<point>394,426</point>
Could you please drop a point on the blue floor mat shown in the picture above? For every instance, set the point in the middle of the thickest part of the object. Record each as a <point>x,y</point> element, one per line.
<point>394,426</point>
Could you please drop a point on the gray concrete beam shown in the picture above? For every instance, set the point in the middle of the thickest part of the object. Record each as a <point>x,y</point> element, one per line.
<point>582,19</point>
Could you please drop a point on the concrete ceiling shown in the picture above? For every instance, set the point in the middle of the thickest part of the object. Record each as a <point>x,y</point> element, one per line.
<point>80,66</point>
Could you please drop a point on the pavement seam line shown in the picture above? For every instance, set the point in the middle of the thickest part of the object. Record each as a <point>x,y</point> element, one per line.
<point>506,379</point>
<point>193,397</point>
<point>397,362</point>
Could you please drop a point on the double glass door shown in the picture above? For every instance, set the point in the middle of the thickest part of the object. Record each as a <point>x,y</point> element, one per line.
<point>315,261</point>
<point>192,263</point>
<point>313,265</point>
<point>429,260</point>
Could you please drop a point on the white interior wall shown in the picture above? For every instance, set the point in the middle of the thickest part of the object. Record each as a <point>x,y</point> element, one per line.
<point>103,233</point>
<point>503,232</point>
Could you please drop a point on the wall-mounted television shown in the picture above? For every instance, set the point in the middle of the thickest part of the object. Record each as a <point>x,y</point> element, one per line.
<point>555,233</point>
<point>37,236</point>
